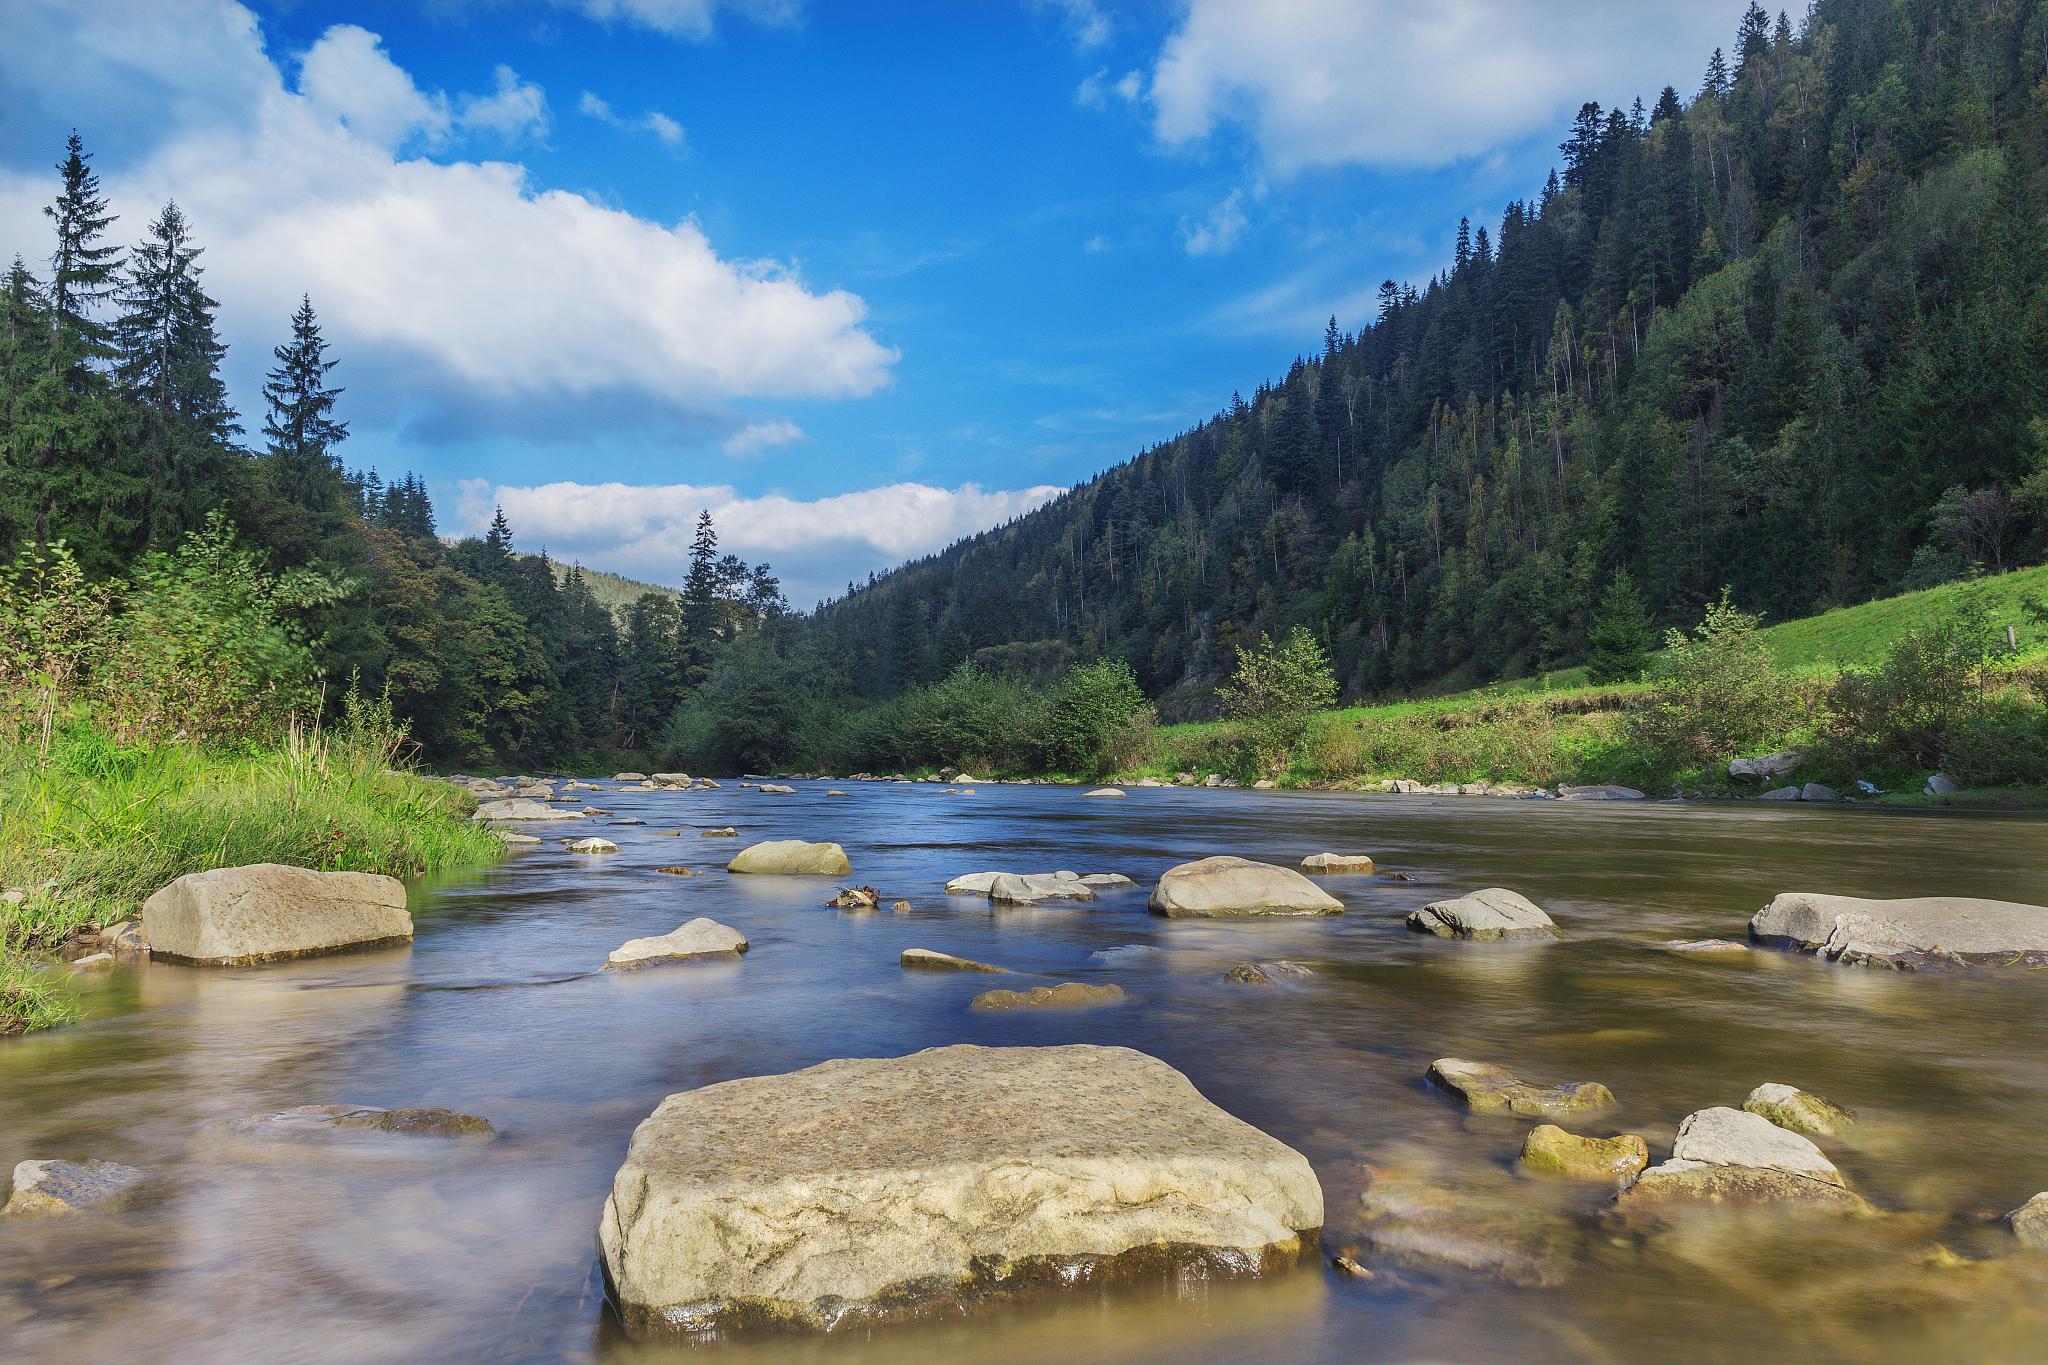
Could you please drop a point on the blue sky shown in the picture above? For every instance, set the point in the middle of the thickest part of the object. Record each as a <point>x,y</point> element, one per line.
<point>860,277</point>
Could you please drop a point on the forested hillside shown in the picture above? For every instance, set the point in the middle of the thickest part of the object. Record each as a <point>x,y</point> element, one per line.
<point>118,443</point>
<point>1787,336</point>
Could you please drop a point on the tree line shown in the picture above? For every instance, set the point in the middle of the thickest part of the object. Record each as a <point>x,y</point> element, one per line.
<point>124,467</point>
<point>1786,337</point>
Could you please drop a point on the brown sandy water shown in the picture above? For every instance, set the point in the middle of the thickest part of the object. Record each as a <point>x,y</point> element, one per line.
<point>410,1249</point>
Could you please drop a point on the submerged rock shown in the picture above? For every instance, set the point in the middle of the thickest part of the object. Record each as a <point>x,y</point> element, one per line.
<point>1730,1156</point>
<point>518,840</point>
<point>1104,791</point>
<point>1798,1111</point>
<point>1266,973</point>
<point>679,871</point>
<point>931,960</point>
<point>1066,995</point>
<point>905,1187</point>
<point>2029,1222</point>
<point>523,809</point>
<point>1550,1150</point>
<point>1231,888</point>
<point>1493,913</point>
<point>1337,864</point>
<point>1414,1223</point>
<point>318,1120</point>
<point>697,940</point>
<point>722,832</point>
<point>42,1188</point>
<point>1926,930</point>
<point>791,858</point>
<point>1489,1089</point>
<point>267,911</point>
<point>1709,947</point>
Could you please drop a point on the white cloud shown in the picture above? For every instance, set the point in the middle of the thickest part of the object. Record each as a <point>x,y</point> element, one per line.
<point>516,109</point>
<point>1216,231</point>
<point>1086,24</point>
<point>1096,88</point>
<point>693,19</point>
<point>666,129</point>
<point>817,545</point>
<point>454,291</point>
<point>1392,83</point>
<point>756,437</point>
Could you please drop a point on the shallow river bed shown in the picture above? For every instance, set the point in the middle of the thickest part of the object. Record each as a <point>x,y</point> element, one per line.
<point>408,1249</point>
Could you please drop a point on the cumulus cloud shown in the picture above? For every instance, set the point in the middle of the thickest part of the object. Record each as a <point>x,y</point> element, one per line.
<point>1390,83</point>
<point>1097,88</point>
<point>1215,232</point>
<point>664,128</point>
<point>817,545</point>
<point>1086,24</point>
<point>447,286</point>
<point>756,437</point>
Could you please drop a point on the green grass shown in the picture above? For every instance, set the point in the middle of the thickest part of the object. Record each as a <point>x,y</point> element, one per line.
<point>94,831</point>
<point>1557,728</point>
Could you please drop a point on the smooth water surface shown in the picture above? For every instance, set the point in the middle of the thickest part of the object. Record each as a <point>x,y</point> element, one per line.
<point>410,1249</point>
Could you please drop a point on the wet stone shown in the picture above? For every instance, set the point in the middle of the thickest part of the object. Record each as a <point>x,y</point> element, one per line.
<point>1066,995</point>
<point>1550,1150</point>
<point>44,1188</point>
<point>1798,1111</point>
<point>1489,1089</point>
<point>320,1120</point>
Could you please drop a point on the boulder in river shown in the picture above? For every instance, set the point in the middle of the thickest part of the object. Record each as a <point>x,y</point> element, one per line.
<point>1798,1111</point>
<point>1238,888</point>
<point>931,960</point>
<point>972,884</point>
<point>1066,995</point>
<point>919,1186</point>
<point>2029,1222</point>
<point>791,858</point>
<point>1266,973</point>
<point>1709,947</point>
<point>1489,1089</point>
<point>1337,864</point>
<point>593,844</point>
<point>629,777</point>
<point>1497,1234</point>
<point>696,941</point>
<point>1010,888</point>
<point>521,808</point>
<point>1927,930</point>
<point>42,1188</point>
<point>1493,913</point>
<point>1104,791</point>
<point>722,832</point>
<point>1765,767</point>
<point>776,788</point>
<point>267,911</point>
<point>1550,1150</point>
<point>1731,1156</point>
<point>321,1120</point>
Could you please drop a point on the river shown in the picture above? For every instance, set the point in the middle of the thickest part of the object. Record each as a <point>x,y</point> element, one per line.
<point>408,1249</point>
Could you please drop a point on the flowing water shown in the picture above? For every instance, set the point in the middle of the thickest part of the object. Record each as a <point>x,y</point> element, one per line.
<point>415,1249</point>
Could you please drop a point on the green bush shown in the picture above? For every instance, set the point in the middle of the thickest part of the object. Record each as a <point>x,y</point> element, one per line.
<point>970,720</point>
<point>1276,693</point>
<point>1716,692</point>
<point>1096,722</point>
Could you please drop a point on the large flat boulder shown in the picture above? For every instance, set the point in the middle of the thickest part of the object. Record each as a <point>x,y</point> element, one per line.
<point>698,940</point>
<point>43,1188</point>
<point>904,1187</point>
<point>791,858</point>
<point>1238,888</point>
<point>1338,864</point>
<point>1905,933</point>
<point>267,911</point>
<point>1010,888</point>
<point>1731,1156</point>
<point>1493,913</point>
<point>1489,1089</point>
<point>523,808</point>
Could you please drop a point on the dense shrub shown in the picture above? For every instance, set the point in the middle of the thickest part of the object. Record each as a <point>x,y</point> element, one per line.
<point>1716,692</point>
<point>1276,692</point>
<point>1096,721</point>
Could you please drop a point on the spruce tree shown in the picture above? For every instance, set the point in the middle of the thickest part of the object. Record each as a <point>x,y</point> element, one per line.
<point>301,472</point>
<point>83,267</point>
<point>1619,644</point>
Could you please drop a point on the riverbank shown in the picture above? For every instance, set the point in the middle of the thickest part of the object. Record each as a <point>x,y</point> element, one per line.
<point>90,833</point>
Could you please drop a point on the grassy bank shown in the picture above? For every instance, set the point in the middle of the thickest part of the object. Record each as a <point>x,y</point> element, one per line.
<point>90,832</point>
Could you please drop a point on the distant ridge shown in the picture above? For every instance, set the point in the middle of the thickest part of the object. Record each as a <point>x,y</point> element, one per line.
<point>615,591</point>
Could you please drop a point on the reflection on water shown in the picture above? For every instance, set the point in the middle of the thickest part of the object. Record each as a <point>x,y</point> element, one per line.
<point>395,1249</point>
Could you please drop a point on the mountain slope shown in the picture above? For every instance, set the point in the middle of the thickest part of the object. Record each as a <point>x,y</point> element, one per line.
<point>1788,337</point>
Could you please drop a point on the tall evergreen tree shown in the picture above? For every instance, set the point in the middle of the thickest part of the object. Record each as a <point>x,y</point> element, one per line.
<point>302,474</point>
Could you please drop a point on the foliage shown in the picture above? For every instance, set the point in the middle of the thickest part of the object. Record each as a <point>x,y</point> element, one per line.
<point>1716,691</point>
<point>1618,646</point>
<point>53,624</point>
<point>1095,722</point>
<point>1931,700</point>
<point>1276,692</point>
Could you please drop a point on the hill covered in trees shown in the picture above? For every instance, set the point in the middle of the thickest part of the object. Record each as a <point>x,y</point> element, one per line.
<point>1787,336</point>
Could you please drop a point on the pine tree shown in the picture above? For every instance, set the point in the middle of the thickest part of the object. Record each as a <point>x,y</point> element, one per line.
<point>700,601</point>
<point>1619,644</point>
<point>301,471</point>
<point>83,268</point>
<point>168,365</point>
<point>1716,82</point>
